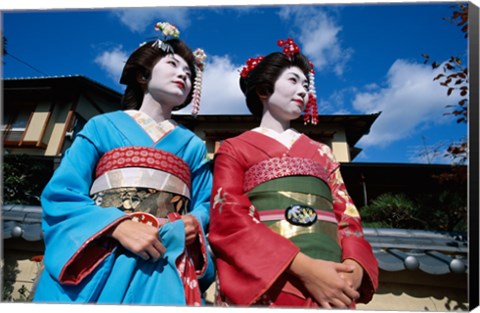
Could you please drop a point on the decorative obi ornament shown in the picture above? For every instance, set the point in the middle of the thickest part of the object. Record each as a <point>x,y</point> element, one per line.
<point>300,215</point>
<point>142,179</point>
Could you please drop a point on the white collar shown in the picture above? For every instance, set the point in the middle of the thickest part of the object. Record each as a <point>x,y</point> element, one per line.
<point>286,138</point>
<point>155,130</point>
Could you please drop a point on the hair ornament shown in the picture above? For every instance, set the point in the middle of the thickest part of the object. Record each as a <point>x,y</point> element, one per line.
<point>290,48</point>
<point>311,111</point>
<point>251,64</point>
<point>200,57</point>
<point>168,30</point>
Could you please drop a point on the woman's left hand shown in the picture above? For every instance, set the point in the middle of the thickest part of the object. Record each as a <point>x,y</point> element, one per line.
<point>191,228</point>
<point>353,279</point>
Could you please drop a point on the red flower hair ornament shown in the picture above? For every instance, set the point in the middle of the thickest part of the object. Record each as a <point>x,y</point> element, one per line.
<point>290,48</point>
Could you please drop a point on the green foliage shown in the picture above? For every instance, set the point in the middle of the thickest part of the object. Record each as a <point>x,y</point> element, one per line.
<point>392,211</point>
<point>446,211</point>
<point>24,179</point>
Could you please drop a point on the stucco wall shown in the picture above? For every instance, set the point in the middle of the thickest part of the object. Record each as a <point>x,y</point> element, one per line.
<point>404,297</point>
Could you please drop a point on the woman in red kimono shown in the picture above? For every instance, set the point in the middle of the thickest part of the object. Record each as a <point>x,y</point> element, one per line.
<point>284,230</point>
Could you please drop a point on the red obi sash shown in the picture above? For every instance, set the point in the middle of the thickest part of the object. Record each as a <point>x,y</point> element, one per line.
<point>281,167</point>
<point>137,156</point>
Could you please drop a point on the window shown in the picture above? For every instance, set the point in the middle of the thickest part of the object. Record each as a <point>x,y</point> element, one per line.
<point>15,121</point>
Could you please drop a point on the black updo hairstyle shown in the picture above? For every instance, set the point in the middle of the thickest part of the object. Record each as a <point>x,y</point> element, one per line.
<point>140,64</point>
<point>261,80</point>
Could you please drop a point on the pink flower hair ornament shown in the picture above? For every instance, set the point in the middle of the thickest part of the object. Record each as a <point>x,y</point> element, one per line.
<point>290,48</point>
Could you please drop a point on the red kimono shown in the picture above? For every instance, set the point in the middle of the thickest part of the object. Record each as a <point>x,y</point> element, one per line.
<point>251,258</point>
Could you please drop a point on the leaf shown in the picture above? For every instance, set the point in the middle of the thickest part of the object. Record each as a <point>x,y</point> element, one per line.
<point>438,76</point>
<point>449,92</point>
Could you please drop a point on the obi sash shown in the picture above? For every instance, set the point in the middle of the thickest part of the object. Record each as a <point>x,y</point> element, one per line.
<point>142,179</point>
<point>293,199</point>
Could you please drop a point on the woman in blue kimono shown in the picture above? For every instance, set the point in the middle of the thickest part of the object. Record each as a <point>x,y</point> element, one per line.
<point>125,213</point>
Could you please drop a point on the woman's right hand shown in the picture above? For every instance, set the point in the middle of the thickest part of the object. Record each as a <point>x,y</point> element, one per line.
<point>323,281</point>
<point>139,238</point>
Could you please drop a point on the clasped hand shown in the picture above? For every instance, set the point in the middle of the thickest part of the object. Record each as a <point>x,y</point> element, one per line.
<point>143,239</point>
<point>331,284</point>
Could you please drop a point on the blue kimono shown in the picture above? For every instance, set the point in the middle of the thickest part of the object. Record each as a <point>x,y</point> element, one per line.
<point>82,265</point>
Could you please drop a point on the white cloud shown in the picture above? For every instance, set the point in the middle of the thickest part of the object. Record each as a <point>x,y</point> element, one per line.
<point>138,20</point>
<point>112,62</point>
<point>318,37</point>
<point>336,102</point>
<point>409,102</point>
<point>221,92</point>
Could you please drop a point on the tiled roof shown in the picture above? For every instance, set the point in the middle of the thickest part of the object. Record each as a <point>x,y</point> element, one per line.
<point>432,252</point>
<point>22,221</point>
<point>47,80</point>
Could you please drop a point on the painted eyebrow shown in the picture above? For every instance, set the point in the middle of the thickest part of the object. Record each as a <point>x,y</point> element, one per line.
<point>175,58</point>
<point>298,77</point>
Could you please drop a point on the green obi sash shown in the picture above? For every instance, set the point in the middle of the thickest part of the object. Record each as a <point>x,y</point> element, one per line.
<point>306,195</point>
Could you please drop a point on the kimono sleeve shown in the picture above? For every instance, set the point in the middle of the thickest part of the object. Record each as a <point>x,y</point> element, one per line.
<point>249,256</point>
<point>353,243</point>
<point>72,224</point>
<point>201,184</point>
<point>200,209</point>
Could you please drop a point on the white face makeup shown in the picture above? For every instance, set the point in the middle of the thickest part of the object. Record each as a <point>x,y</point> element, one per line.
<point>170,82</point>
<point>289,96</point>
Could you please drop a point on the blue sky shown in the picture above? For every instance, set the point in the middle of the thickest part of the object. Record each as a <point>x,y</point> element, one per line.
<point>368,58</point>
